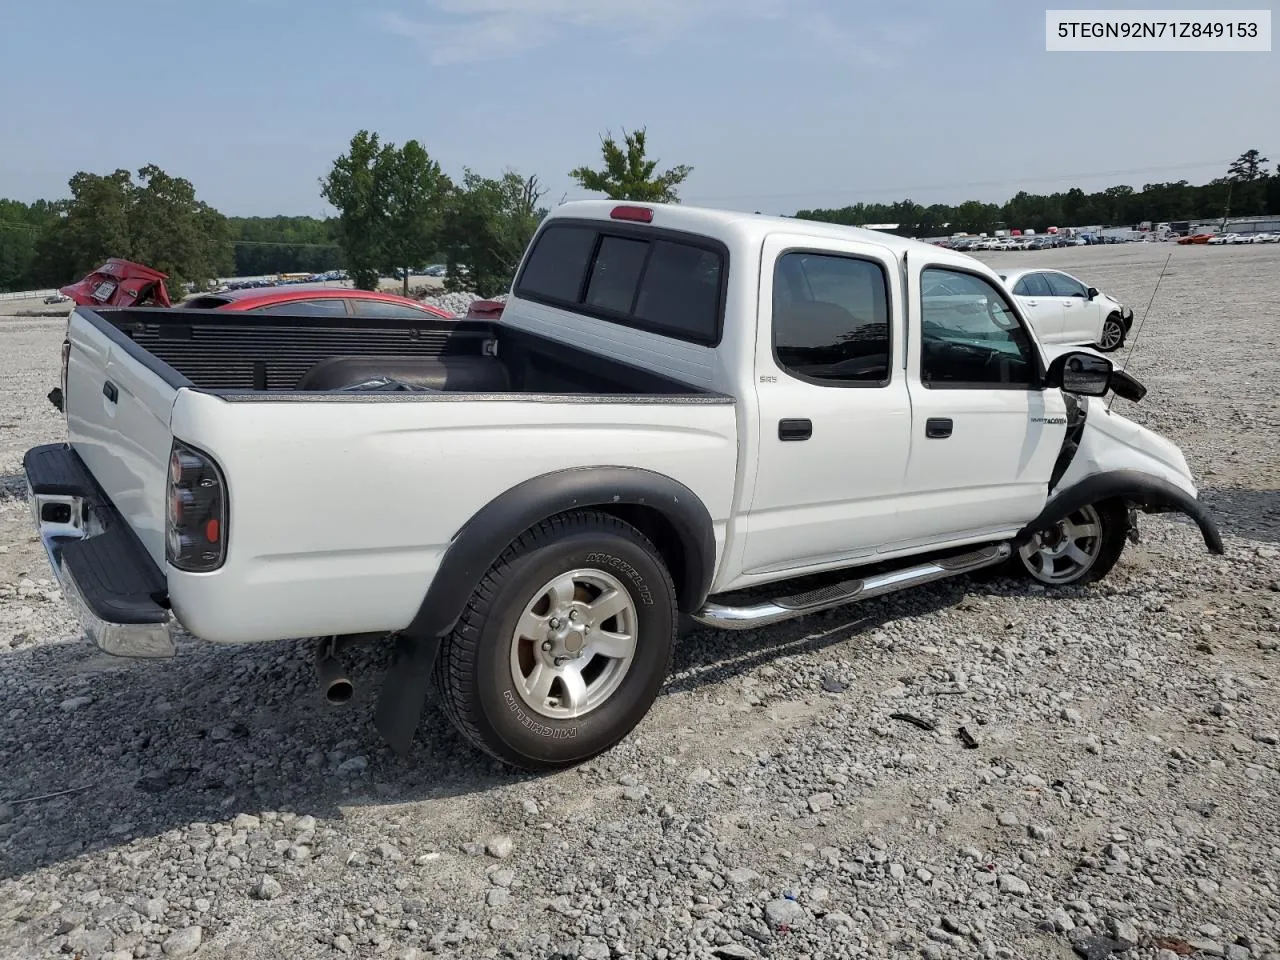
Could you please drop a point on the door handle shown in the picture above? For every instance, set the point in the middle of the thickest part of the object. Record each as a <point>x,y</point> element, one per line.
<point>937,428</point>
<point>1033,303</point>
<point>110,392</point>
<point>795,429</point>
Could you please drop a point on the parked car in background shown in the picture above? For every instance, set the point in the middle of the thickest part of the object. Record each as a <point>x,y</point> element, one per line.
<point>1064,309</point>
<point>317,302</point>
<point>58,297</point>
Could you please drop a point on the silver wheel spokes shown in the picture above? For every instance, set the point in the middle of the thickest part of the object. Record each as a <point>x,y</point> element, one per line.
<point>1065,553</point>
<point>573,644</point>
<point>1112,332</point>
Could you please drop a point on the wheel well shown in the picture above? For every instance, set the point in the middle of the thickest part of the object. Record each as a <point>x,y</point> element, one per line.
<point>663,534</point>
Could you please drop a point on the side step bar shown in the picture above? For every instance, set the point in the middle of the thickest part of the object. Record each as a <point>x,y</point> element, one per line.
<point>848,591</point>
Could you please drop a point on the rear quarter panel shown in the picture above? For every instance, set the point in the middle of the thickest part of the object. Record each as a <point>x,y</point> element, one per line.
<point>340,512</point>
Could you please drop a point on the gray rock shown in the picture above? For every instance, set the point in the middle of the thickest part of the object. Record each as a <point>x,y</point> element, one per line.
<point>353,765</point>
<point>500,847</point>
<point>183,943</point>
<point>741,876</point>
<point>1010,883</point>
<point>267,888</point>
<point>821,801</point>
<point>788,913</point>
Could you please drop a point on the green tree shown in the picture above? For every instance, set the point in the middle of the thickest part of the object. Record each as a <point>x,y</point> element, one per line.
<point>629,174</point>
<point>20,227</point>
<point>266,245</point>
<point>355,189</point>
<point>176,233</point>
<point>414,191</point>
<point>487,226</point>
<point>1247,167</point>
<point>157,220</point>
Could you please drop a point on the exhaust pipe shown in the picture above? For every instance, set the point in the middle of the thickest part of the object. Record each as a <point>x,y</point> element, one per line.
<point>332,675</point>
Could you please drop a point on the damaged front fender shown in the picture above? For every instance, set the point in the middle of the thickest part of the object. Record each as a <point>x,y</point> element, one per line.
<point>1149,493</point>
<point>1115,458</point>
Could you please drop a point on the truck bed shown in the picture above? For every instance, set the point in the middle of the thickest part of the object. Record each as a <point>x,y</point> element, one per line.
<point>262,357</point>
<point>348,464</point>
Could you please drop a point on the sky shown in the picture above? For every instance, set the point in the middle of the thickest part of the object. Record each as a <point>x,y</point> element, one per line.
<point>778,105</point>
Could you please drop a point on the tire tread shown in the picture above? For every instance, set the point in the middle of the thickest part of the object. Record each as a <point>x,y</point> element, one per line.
<point>455,676</point>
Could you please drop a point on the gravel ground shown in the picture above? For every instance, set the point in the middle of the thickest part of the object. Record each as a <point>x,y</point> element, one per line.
<point>1121,796</point>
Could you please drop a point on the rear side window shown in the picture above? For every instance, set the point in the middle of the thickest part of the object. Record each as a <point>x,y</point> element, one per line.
<point>680,293</point>
<point>558,263</point>
<point>1033,285</point>
<point>831,319</point>
<point>637,278</point>
<point>387,308</point>
<point>325,307</point>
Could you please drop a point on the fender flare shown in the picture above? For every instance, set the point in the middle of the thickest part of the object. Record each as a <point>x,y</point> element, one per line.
<point>1151,494</point>
<point>481,540</point>
<point>490,530</point>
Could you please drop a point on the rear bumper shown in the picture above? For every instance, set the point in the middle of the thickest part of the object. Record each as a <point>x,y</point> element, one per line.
<point>105,573</point>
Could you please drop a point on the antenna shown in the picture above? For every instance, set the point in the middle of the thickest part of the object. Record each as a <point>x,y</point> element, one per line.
<point>1138,330</point>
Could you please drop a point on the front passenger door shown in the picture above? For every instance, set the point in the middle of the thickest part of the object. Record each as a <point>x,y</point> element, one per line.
<point>984,434</point>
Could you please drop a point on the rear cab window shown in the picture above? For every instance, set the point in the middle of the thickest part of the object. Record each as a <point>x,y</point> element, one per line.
<point>661,281</point>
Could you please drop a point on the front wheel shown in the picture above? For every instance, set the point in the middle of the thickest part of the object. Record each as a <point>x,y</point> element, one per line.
<point>1113,332</point>
<point>1079,549</point>
<point>564,645</point>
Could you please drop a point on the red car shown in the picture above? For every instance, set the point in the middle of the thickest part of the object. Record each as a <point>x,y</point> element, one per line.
<point>316,301</point>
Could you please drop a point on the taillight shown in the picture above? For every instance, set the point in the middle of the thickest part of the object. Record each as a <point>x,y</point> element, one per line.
<point>196,511</point>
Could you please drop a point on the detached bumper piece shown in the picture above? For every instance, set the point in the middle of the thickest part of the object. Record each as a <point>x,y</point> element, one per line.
<point>105,573</point>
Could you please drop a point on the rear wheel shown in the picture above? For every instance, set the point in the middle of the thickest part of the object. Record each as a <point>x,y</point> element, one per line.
<point>1079,549</point>
<point>1112,337</point>
<point>563,646</point>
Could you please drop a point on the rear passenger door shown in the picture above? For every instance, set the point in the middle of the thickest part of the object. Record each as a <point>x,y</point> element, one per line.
<point>1042,307</point>
<point>833,409</point>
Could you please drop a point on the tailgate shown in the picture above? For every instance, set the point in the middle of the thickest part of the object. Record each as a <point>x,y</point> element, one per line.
<point>118,411</point>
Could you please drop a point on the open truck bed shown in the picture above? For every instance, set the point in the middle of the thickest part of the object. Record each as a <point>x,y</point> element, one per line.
<point>264,357</point>
<point>346,463</point>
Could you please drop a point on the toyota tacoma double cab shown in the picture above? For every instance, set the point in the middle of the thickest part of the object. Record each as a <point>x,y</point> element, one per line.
<point>681,417</point>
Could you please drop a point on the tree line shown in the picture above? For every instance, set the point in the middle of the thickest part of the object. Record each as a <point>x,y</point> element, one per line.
<point>398,210</point>
<point>1246,190</point>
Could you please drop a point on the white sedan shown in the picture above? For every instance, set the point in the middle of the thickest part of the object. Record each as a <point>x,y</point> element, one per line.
<point>1064,309</point>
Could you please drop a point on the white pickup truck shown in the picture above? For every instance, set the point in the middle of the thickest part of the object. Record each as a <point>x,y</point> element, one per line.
<point>682,416</point>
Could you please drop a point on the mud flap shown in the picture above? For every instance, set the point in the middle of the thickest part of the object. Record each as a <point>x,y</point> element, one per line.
<point>404,690</point>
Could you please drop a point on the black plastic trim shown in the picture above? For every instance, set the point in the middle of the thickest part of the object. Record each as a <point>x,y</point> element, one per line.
<point>481,540</point>
<point>1150,493</point>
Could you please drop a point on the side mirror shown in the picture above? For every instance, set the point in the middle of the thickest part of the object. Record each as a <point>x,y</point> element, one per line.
<point>1084,373</point>
<point>1092,292</point>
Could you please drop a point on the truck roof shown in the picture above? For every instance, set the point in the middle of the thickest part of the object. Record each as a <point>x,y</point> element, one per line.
<point>750,226</point>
